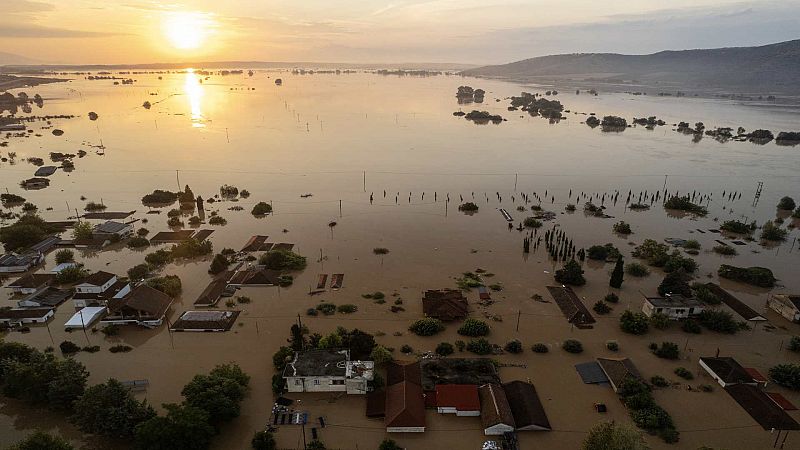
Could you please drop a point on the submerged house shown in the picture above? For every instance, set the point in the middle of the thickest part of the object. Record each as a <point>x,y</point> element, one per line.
<point>98,288</point>
<point>16,263</point>
<point>726,371</point>
<point>404,399</point>
<point>458,399</point>
<point>47,297</point>
<point>112,231</point>
<point>143,306</point>
<point>496,415</point>
<point>674,306</point>
<point>786,305</point>
<point>617,370</point>
<point>327,371</point>
<point>24,316</point>
<point>31,283</point>
<point>447,304</point>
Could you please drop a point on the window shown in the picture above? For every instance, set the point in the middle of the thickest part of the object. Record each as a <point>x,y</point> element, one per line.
<point>316,382</point>
<point>337,382</point>
<point>298,382</point>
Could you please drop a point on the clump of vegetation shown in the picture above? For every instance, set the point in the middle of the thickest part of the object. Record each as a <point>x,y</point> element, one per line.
<point>168,284</point>
<point>514,346</point>
<point>725,250</point>
<point>667,350</point>
<point>64,255</point>
<point>479,346</point>
<point>675,283</point>
<point>719,321</point>
<point>684,373</point>
<point>572,346</point>
<point>659,381</point>
<point>786,204</point>
<point>427,326</point>
<point>703,293</point>
<point>191,248</point>
<point>757,276</point>
<point>94,207</point>
<point>786,375</point>
<point>444,349</point>
<point>120,348</point>
<point>540,348</point>
<point>691,326</point>
<point>532,222</point>
<point>217,220</point>
<point>71,275</point>
<point>137,242</point>
<point>326,308</point>
<point>243,299</point>
<point>638,270</point>
<point>772,232</point>
<point>468,207</point>
<point>611,298</point>
<point>735,226</point>
<point>473,328</point>
<point>283,260</point>
<point>660,321</point>
<point>644,411</point>
<point>794,344</point>
<point>227,191</point>
<point>601,308</point>
<point>138,272</point>
<point>685,204</point>
<point>160,197</point>
<point>347,308</point>
<point>380,251</point>
<point>69,348</point>
<point>219,264</point>
<point>468,281</point>
<point>8,199</point>
<point>622,227</point>
<point>634,322</point>
<point>570,274</point>
<point>26,231</point>
<point>405,348</point>
<point>261,209</point>
<point>612,346</point>
<point>603,252</point>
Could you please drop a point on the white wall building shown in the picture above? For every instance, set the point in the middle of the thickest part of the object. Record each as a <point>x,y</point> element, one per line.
<point>327,371</point>
<point>674,306</point>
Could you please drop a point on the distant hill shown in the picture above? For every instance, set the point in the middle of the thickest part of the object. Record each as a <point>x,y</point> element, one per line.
<point>768,68</point>
<point>10,58</point>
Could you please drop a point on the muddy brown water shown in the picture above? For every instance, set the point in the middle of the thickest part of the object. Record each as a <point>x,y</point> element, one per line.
<point>345,137</point>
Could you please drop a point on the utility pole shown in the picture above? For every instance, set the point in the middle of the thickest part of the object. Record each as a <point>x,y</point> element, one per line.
<point>519,313</point>
<point>178,177</point>
<point>340,208</point>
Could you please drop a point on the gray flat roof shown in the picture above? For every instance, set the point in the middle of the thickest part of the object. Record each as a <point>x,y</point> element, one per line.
<point>674,301</point>
<point>319,363</point>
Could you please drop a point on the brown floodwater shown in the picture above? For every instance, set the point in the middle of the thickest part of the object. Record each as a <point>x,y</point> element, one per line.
<point>344,137</point>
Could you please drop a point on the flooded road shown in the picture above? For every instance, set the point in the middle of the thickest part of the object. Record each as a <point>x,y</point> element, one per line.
<point>345,137</point>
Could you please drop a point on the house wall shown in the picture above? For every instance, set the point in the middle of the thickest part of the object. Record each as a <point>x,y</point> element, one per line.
<point>315,384</point>
<point>88,289</point>
<point>356,386</point>
<point>671,312</point>
<point>13,269</point>
<point>43,319</point>
<point>453,410</point>
<point>405,429</point>
<point>783,309</point>
<point>497,430</point>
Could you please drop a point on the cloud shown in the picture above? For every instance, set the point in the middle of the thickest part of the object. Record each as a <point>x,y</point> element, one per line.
<point>25,6</point>
<point>31,31</point>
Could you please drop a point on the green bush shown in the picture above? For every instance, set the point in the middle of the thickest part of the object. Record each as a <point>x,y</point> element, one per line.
<point>725,250</point>
<point>444,349</point>
<point>138,272</point>
<point>427,326</point>
<point>684,373</point>
<point>659,321</point>
<point>668,350</point>
<point>468,207</point>
<point>659,381</point>
<point>719,321</point>
<point>685,204</point>
<point>601,308</point>
<point>622,227</point>
<point>532,222</point>
<point>786,203</point>
<point>479,346</point>
<point>138,242</point>
<point>786,375</point>
<point>540,348</point>
<point>772,232</point>
<point>735,226</point>
<point>71,275</point>
<point>691,326</point>
<point>570,274</point>
<point>676,282</point>
<point>794,344</point>
<point>283,260</point>
<point>168,284</point>
<point>347,308</point>
<point>612,345</point>
<point>572,346</point>
<point>757,276</point>
<point>514,346</point>
<point>634,322</point>
<point>473,328</point>
<point>261,209</point>
<point>64,255</point>
<point>263,440</point>
<point>326,308</point>
<point>611,298</point>
<point>602,252</point>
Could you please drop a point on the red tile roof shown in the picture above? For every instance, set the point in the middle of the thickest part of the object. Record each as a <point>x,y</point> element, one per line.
<point>462,397</point>
<point>757,376</point>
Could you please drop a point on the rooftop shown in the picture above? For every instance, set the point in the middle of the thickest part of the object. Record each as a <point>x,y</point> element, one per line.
<point>727,369</point>
<point>448,304</point>
<point>476,371</point>
<point>761,407</point>
<point>494,406</point>
<point>24,313</point>
<point>205,320</point>
<point>48,297</point>
<point>462,397</point>
<point>618,369</point>
<point>405,405</point>
<point>110,227</point>
<point>98,278</point>
<point>142,298</point>
<point>525,405</point>
<point>14,260</point>
<point>318,363</point>
<point>788,299</point>
<point>674,301</point>
<point>33,281</point>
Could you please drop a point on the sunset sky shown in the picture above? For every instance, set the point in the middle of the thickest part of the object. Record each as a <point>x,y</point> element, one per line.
<point>389,31</point>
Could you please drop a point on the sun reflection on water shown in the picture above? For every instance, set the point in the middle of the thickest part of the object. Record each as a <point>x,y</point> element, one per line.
<point>193,88</point>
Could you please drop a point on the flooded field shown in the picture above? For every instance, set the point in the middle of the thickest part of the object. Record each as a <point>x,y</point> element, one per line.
<point>381,155</point>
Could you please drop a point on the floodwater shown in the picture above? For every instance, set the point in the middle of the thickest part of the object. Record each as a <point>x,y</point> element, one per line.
<point>344,137</point>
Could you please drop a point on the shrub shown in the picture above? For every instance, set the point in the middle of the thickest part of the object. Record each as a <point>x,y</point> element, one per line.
<point>757,276</point>
<point>243,299</point>
<point>380,251</point>
<point>427,326</point>
<point>794,344</point>
<point>69,348</point>
<point>473,328</point>
<point>668,350</point>
<point>772,232</point>
<point>263,440</point>
<point>612,345</point>
<point>479,346</point>
<point>786,375</point>
<point>347,308</point>
<point>158,258</point>
<point>460,345</point>
<point>601,308</point>
<point>283,260</point>
<point>159,196</point>
<point>637,270</point>
<point>786,203</point>
<point>168,284</point>
<point>659,321</point>
<point>675,283</point>
<point>191,248</point>
<point>142,232</point>
<point>174,222</point>
<point>540,348</point>
<point>685,204</point>
<point>726,250</point>
<point>40,440</point>
<point>719,321</point>
<point>138,272</point>
<point>261,209</point>
<point>532,222</point>
<point>444,349</point>
<point>120,349</point>
<point>659,381</point>
<point>380,354</point>
<point>514,346</point>
<point>468,281</point>
<point>633,322</point>
<point>217,220</point>
<point>602,252</point>
<point>326,308</point>
<point>735,226</point>
<point>64,255</point>
<point>692,245</point>
<point>572,346</point>
<point>622,227</point>
<point>684,373</point>
<point>405,348</point>
<point>110,330</point>
<point>389,444</point>
<point>219,264</point>
<point>71,275</point>
<point>468,207</point>
<point>138,242</point>
<point>570,274</point>
<point>691,326</point>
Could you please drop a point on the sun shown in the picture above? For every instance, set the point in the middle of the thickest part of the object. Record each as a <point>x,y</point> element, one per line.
<point>187,30</point>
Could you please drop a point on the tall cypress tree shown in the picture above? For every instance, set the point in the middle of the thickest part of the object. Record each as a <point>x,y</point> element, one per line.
<point>616,275</point>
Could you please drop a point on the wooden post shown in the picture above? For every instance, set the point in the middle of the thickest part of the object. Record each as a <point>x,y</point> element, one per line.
<point>519,313</point>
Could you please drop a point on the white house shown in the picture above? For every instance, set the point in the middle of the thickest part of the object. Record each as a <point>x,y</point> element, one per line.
<point>112,231</point>
<point>16,263</point>
<point>496,415</point>
<point>327,371</point>
<point>786,305</point>
<point>726,371</point>
<point>24,316</point>
<point>98,288</point>
<point>85,318</point>
<point>31,283</point>
<point>143,306</point>
<point>674,306</point>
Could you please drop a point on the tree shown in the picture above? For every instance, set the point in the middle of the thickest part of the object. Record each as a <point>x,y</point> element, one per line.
<point>389,444</point>
<point>42,379</point>
<point>473,328</point>
<point>218,264</point>
<point>633,323</point>
<point>571,274</point>
<point>427,326</point>
<point>572,346</point>
<point>786,375</point>
<point>42,441</point>
<point>183,428</point>
<point>71,274</point>
<point>514,346</point>
<point>444,349</point>
<point>719,321</point>
<point>82,231</point>
<point>283,260</point>
<point>676,282</point>
<point>138,272</point>
<point>786,203</point>
<point>64,255</point>
<point>218,393</point>
<point>109,409</point>
<point>479,346</point>
<point>168,284</point>
<point>26,231</point>
<point>261,209</point>
<point>614,436</point>
<point>380,355</point>
<point>316,445</point>
<point>617,275</point>
<point>263,440</point>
